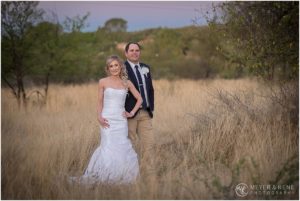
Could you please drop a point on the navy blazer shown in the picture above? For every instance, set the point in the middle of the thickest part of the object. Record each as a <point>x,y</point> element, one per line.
<point>130,99</point>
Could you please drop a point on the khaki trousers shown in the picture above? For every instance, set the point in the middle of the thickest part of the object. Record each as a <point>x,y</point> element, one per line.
<point>140,132</point>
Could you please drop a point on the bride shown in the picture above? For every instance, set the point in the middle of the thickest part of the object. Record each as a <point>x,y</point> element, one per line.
<point>115,160</point>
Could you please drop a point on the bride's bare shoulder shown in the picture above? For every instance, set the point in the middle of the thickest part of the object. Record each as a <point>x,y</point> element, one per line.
<point>103,80</point>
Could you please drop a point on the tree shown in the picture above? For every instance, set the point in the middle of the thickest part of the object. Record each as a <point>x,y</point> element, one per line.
<point>262,36</point>
<point>76,24</point>
<point>46,53</point>
<point>16,19</point>
<point>116,25</point>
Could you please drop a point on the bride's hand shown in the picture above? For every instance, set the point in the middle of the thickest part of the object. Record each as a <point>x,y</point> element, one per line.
<point>128,114</point>
<point>103,122</point>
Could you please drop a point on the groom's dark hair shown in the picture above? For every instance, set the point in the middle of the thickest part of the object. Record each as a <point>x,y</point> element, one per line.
<point>128,44</point>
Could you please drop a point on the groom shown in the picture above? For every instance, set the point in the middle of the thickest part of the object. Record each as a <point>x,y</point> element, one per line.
<point>140,125</point>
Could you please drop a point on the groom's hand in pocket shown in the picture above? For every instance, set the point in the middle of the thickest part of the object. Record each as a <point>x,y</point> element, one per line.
<point>103,122</point>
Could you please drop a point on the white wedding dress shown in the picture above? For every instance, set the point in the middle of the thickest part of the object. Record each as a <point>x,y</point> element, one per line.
<point>115,160</point>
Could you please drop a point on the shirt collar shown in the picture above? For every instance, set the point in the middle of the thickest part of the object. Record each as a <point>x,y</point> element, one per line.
<point>132,64</point>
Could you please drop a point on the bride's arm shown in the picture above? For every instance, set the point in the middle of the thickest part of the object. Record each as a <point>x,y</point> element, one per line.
<point>138,97</point>
<point>103,122</point>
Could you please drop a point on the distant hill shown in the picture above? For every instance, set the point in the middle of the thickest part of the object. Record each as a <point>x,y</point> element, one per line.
<point>172,53</point>
<point>187,52</point>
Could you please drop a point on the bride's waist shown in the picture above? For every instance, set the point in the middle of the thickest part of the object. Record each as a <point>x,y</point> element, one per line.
<point>113,110</point>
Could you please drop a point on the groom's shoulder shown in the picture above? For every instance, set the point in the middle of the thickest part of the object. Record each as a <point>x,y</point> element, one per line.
<point>143,64</point>
<point>126,63</point>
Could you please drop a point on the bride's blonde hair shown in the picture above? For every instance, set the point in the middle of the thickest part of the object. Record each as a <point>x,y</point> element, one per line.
<point>123,72</point>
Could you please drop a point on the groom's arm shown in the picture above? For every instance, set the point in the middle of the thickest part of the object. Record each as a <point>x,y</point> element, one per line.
<point>151,90</point>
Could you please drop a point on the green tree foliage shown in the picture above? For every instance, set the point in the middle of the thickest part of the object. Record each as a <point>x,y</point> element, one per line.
<point>262,36</point>
<point>115,25</point>
<point>46,53</point>
<point>17,18</point>
<point>45,38</point>
<point>76,24</point>
<point>200,44</point>
<point>234,44</point>
<point>182,53</point>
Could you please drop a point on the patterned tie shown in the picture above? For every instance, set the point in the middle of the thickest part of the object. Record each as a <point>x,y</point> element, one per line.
<point>141,86</point>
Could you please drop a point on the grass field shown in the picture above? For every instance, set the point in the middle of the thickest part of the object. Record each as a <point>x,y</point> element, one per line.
<point>210,136</point>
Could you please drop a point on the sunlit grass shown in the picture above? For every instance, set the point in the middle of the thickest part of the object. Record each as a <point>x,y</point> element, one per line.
<point>210,136</point>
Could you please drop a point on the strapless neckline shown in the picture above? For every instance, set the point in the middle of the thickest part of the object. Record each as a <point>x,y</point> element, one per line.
<point>115,89</point>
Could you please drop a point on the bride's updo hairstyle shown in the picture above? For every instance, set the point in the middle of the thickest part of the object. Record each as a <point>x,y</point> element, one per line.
<point>123,73</point>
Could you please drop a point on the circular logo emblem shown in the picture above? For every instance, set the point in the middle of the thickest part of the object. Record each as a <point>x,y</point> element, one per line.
<point>241,190</point>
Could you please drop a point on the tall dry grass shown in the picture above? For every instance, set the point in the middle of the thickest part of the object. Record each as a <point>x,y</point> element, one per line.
<point>210,136</point>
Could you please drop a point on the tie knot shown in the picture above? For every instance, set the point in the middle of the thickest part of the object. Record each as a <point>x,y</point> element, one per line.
<point>136,66</point>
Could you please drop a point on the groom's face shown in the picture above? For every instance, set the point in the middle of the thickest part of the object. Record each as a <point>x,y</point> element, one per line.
<point>133,53</point>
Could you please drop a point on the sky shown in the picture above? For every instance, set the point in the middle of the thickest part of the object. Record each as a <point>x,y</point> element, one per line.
<point>139,15</point>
